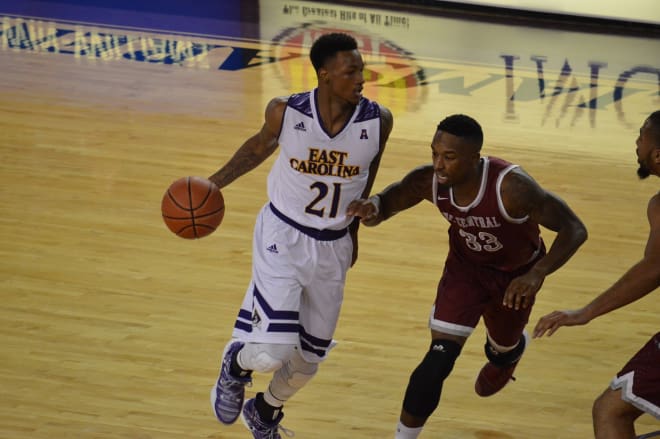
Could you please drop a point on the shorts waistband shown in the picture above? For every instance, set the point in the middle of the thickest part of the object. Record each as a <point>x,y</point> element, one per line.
<point>318,234</point>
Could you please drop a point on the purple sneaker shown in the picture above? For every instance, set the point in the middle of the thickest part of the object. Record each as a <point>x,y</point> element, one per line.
<point>229,391</point>
<point>259,428</point>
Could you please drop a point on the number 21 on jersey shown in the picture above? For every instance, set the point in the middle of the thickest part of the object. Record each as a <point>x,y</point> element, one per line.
<point>323,192</point>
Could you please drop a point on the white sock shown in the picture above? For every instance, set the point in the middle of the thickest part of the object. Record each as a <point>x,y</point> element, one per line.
<point>403,432</point>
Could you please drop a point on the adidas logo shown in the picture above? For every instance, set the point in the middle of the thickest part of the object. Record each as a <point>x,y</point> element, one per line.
<point>300,126</point>
<point>272,248</point>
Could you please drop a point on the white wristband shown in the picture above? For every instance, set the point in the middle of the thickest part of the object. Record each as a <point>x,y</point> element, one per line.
<point>375,200</point>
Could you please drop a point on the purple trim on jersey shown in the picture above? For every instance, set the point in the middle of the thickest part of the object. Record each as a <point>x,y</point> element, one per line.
<point>368,110</point>
<point>283,327</point>
<point>301,103</point>
<point>309,343</point>
<point>319,235</point>
<point>320,342</point>
<point>243,326</point>
<point>270,312</point>
<point>244,320</point>
<point>307,347</point>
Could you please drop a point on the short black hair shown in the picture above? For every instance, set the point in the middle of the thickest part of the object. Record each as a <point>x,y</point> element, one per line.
<point>327,46</point>
<point>654,120</point>
<point>465,127</point>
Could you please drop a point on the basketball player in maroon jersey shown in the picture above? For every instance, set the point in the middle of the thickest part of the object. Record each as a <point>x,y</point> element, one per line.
<point>496,263</point>
<point>636,388</point>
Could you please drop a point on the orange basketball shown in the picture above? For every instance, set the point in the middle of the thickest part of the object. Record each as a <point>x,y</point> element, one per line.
<point>193,207</point>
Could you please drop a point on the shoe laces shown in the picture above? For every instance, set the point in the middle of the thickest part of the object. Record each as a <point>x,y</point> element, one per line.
<point>273,432</point>
<point>232,385</point>
<point>286,431</point>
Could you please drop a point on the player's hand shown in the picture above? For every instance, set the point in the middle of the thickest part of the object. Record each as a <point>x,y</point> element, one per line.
<point>522,290</point>
<point>551,322</point>
<point>365,209</point>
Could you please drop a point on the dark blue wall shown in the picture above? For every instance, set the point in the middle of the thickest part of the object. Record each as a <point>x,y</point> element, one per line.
<point>234,18</point>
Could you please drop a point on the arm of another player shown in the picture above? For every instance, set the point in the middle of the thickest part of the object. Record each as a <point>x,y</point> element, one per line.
<point>523,196</point>
<point>637,282</point>
<point>256,149</point>
<point>402,195</point>
<point>386,123</point>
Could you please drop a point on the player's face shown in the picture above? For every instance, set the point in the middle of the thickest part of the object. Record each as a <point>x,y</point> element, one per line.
<point>455,161</point>
<point>647,151</point>
<point>344,75</point>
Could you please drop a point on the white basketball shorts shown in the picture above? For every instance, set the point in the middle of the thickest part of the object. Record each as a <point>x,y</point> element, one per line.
<point>297,285</point>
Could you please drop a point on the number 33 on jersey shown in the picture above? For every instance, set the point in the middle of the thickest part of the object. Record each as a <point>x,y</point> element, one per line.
<point>483,232</point>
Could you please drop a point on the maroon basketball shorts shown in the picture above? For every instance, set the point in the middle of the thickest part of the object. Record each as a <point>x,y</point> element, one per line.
<point>467,292</point>
<point>639,380</point>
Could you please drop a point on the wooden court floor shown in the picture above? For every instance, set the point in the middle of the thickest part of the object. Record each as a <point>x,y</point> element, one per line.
<point>112,327</point>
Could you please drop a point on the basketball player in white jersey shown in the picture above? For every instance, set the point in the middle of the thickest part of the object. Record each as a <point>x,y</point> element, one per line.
<point>330,144</point>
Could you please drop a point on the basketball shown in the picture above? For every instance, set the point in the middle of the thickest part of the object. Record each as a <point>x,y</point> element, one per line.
<point>192,207</point>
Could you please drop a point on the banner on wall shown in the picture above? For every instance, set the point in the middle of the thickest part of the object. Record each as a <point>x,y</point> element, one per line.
<point>392,72</point>
<point>462,41</point>
<point>642,11</point>
<point>410,57</point>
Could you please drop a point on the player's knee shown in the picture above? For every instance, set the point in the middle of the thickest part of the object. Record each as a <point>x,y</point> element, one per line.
<point>503,359</point>
<point>610,407</point>
<point>265,358</point>
<point>292,377</point>
<point>300,371</point>
<point>425,385</point>
<point>598,410</point>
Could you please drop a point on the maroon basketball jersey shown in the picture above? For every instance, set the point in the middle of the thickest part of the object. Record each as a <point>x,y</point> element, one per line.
<point>483,233</point>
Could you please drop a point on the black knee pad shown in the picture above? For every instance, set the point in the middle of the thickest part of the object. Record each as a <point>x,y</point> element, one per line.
<point>507,358</point>
<point>425,385</point>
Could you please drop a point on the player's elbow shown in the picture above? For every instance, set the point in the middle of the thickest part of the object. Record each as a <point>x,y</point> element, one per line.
<point>656,274</point>
<point>580,233</point>
<point>575,232</point>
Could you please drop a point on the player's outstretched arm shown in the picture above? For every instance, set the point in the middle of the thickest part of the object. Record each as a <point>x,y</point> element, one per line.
<point>641,279</point>
<point>256,149</point>
<point>386,124</point>
<point>402,195</point>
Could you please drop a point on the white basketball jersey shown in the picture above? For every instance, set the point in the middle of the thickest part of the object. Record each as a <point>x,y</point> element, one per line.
<point>316,176</point>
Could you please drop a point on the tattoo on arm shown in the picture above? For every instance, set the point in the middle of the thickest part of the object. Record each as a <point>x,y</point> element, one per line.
<point>415,187</point>
<point>250,155</point>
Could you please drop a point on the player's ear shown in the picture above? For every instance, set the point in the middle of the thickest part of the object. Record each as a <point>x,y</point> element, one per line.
<point>323,75</point>
<point>656,156</point>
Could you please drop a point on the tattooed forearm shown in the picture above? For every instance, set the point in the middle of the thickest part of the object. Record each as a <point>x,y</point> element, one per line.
<point>240,164</point>
<point>250,155</point>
